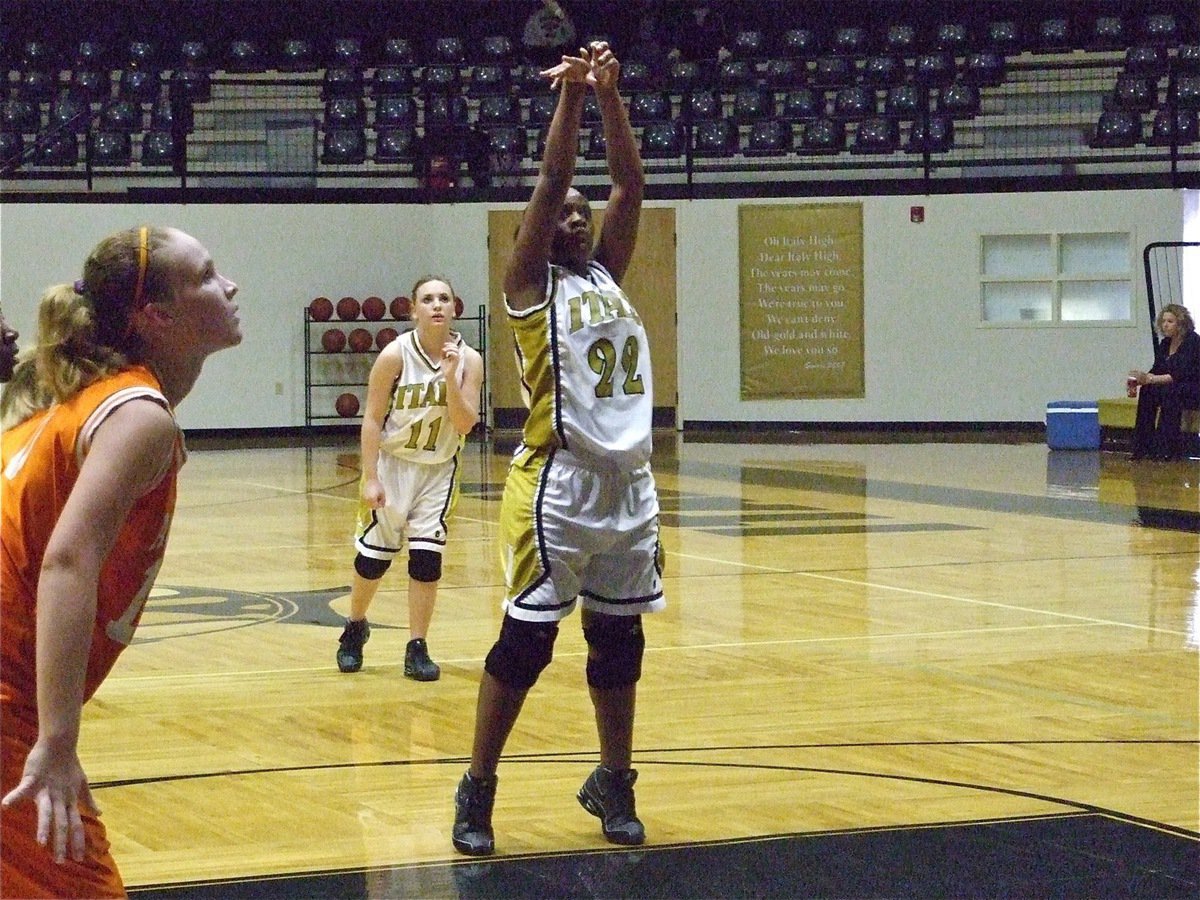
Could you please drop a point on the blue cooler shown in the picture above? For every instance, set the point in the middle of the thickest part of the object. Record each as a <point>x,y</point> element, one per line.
<point>1073,425</point>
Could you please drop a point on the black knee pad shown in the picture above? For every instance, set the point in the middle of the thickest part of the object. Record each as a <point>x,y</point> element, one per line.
<point>522,651</point>
<point>615,648</point>
<point>424,565</point>
<point>371,568</point>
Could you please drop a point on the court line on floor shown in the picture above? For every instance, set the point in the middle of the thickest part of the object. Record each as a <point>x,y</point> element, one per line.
<point>932,594</point>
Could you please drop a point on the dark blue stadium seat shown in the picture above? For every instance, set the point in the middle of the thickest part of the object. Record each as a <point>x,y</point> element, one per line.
<point>346,52</point>
<point>984,67</point>
<point>142,85</point>
<point>734,73</point>
<point>748,44</point>
<point>785,73</point>
<point>1107,33</point>
<point>446,109</point>
<point>449,50</point>
<point>855,102</point>
<point>112,148</point>
<point>395,110</point>
<point>122,116</point>
<point>20,116</point>
<point>701,104</point>
<point>1171,126</point>
<point>798,43</point>
<point>90,84</point>
<point>499,109</point>
<point>490,79</point>
<point>498,50</point>
<point>823,136</point>
<point>932,134</point>
<point>393,80</point>
<point>342,81</point>
<point>649,106</point>
<point>951,36</point>
<point>1147,59</point>
<point>850,40</point>
<point>297,54</point>
<point>1185,93</point>
<point>833,71</point>
<point>751,104</point>
<point>1003,36</point>
<point>899,39</point>
<point>803,103</point>
<point>244,55</point>
<point>441,78</point>
<point>394,145</point>
<point>935,67</point>
<point>663,139</point>
<point>158,148</point>
<point>879,134</point>
<point>507,141</point>
<point>1136,92</point>
<point>70,113</point>
<point>12,149</point>
<point>884,70</point>
<point>345,112</point>
<point>398,51</point>
<point>1054,35</point>
<point>715,138</point>
<point>769,137</point>
<point>38,85</point>
<point>541,108</point>
<point>959,100</point>
<point>1117,128</point>
<point>58,149</point>
<point>347,146</point>
<point>905,100</point>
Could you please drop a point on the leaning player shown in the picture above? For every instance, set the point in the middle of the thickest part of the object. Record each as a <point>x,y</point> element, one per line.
<point>579,516</point>
<point>422,401</point>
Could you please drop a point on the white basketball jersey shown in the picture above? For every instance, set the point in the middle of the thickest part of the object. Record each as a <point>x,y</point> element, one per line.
<point>417,426</point>
<point>585,366</point>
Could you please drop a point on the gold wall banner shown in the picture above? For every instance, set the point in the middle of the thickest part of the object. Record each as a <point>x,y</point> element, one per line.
<point>801,298</point>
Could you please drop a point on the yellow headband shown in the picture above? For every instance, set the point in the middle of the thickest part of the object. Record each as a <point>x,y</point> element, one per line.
<point>143,260</point>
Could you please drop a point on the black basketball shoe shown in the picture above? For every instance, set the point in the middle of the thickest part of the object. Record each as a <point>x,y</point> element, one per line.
<point>417,664</point>
<point>473,815</point>
<point>350,645</point>
<point>608,795</point>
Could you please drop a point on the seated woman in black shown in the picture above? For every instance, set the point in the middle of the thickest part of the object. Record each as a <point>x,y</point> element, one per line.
<point>1171,385</point>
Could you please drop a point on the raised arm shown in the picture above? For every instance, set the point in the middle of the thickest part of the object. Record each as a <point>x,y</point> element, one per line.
<point>525,277</point>
<point>618,234</point>
<point>464,380</point>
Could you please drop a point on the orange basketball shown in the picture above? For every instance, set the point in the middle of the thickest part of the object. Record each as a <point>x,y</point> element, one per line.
<point>373,308</point>
<point>458,307</point>
<point>346,405</point>
<point>347,309</point>
<point>401,307</point>
<point>361,340</point>
<point>333,340</point>
<point>384,337</point>
<point>321,309</point>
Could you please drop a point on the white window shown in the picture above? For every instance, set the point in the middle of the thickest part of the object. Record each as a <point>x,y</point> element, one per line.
<point>1056,278</point>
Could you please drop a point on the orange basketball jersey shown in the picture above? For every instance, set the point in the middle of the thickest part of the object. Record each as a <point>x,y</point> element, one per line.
<point>41,458</point>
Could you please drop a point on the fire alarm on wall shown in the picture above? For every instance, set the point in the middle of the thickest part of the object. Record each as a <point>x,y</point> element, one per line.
<point>916,214</point>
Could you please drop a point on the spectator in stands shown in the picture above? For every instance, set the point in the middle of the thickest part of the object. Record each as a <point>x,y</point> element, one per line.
<point>1172,384</point>
<point>699,35</point>
<point>8,349</point>
<point>548,33</point>
<point>650,45</point>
